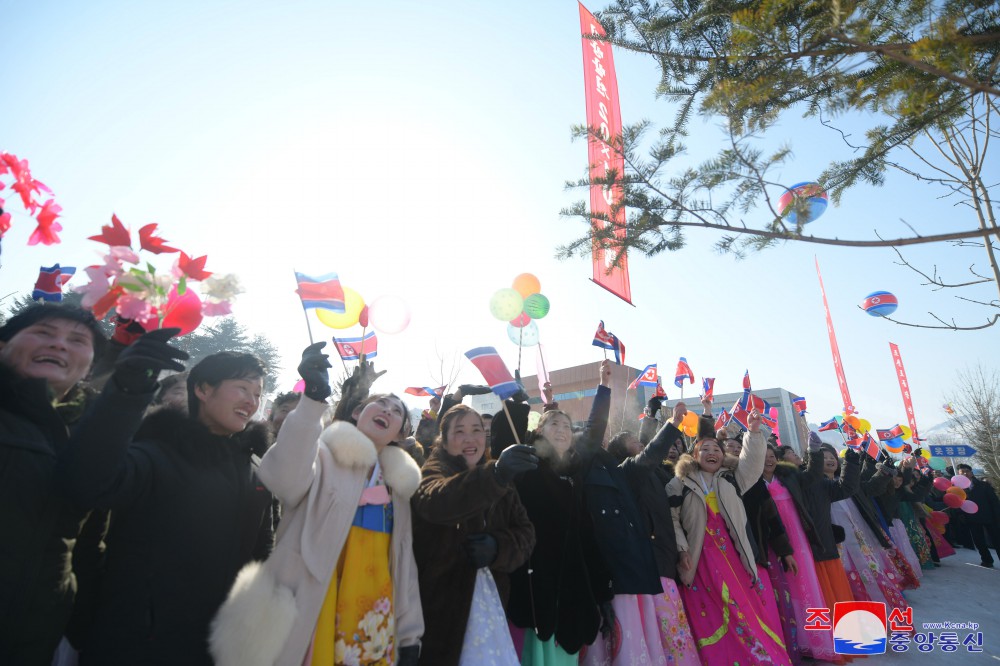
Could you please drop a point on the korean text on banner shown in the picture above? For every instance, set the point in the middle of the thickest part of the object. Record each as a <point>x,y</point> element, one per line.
<point>838,366</point>
<point>904,388</point>
<point>604,114</point>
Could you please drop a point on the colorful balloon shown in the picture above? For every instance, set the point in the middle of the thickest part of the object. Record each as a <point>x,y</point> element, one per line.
<point>969,506</point>
<point>353,305</point>
<point>907,433</point>
<point>519,321</point>
<point>952,501</point>
<point>940,517</point>
<point>961,481</point>
<point>389,314</point>
<point>852,421</point>
<point>894,445</point>
<point>942,483</point>
<point>807,198</point>
<point>691,421</point>
<point>863,426</point>
<point>533,419</point>
<point>300,386</point>
<point>526,284</point>
<point>536,306</point>
<point>958,492</point>
<point>937,464</point>
<point>506,304</point>
<point>880,304</point>
<point>526,336</point>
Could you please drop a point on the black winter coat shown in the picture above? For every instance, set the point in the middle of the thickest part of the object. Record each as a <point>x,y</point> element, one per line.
<point>188,513</point>
<point>819,493</point>
<point>40,526</point>
<point>766,528</point>
<point>985,496</point>
<point>874,482</point>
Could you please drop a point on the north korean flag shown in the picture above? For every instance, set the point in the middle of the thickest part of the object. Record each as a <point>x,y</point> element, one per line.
<point>494,371</point>
<point>350,349</point>
<point>324,292</point>
<point>48,286</point>
<point>648,377</point>
<point>683,372</point>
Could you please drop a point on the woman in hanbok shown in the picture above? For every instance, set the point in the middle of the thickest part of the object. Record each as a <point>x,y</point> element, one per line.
<point>469,532</point>
<point>717,566</point>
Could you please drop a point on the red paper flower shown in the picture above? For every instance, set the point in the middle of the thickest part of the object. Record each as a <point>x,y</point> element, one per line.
<point>193,268</point>
<point>45,232</point>
<point>114,234</point>
<point>155,244</point>
<point>4,222</point>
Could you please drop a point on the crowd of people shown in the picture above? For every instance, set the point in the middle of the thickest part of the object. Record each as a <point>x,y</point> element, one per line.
<point>153,520</point>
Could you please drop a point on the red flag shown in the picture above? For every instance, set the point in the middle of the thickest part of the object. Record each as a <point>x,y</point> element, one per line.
<point>604,115</point>
<point>904,388</point>
<point>494,371</point>
<point>722,420</point>
<point>683,372</point>
<point>708,387</point>
<point>838,366</point>
<point>660,393</point>
<point>746,381</point>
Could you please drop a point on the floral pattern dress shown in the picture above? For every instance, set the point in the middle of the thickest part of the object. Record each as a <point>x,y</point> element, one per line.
<point>356,625</point>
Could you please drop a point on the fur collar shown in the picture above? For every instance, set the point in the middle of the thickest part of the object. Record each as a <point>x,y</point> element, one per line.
<point>351,448</point>
<point>687,465</point>
<point>785,469</point>
<point>173,426</point>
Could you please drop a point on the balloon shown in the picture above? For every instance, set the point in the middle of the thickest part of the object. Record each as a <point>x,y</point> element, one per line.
<point>519,321</point>
<point>506,304</point>
<point>880,304</point>
<point>840,419</point>
<point>389,314</point>
<point>952,501</point>
<point>942,483</point>
<point>526,284</point>
<point>300,386</point>
<point>843,453</point>
<point>925,453</point>
<point>937,463</point>
<point>353,305</point>
<point>852,421</point>
<point>969,506</point>
<point>807,198</point>
<point>536,306</point>
<point>533,419</point>
<point>690,432</point>
<point>183,312</point>
<point>907,433</point>
<point>940,517</point>
<point>526,336</point>
<point>691,421</point>
<point>363,317</point>
<point>863,426</point>
<point>955,490</point>
<point>894,445</point>
<point>961,481</point>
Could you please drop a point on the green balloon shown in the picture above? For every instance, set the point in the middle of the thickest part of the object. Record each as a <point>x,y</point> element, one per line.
<point>506,304</point>
<point>937,463</point>
<point>536,306</point>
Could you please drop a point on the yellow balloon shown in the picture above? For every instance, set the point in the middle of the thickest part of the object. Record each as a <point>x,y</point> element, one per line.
<point>925,453</point>
<point>843,452</point>
<point>353,305</point>
<point>864,426</point>
<point>907,433</point>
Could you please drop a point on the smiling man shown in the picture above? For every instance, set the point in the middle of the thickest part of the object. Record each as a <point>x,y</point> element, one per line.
<point>45,352</point>
<point>189,510</point>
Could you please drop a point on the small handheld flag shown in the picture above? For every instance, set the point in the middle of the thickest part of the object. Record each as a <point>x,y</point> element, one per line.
<point>648,377</point>
<point>660,393</point>
<point>829,425</point>
<point>494,371</point>
<point>746,380</point>
<point>890,433</point>
<point>708,387</point>
<point>350,349</point>
<point>683,372</point>
<point>800,405</point>
<point>723,419</point>
<point>606,340</point>
<point>50,282</point>
<point>324,292</point>
<point>425,391</point>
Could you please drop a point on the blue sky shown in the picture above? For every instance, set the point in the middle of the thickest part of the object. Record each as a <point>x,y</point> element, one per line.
<point>420,149</point>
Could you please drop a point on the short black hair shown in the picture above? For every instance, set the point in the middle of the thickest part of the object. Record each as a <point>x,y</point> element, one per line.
<point>616,446</point>
<point>283,399</point>
<point>217,368</point>
<point>963,466</point>
<point>39,312</point>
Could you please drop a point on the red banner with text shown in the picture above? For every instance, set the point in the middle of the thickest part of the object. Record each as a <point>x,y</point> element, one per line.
<point>838,366</point>
<point>904,388</point>
<point>604,115</point>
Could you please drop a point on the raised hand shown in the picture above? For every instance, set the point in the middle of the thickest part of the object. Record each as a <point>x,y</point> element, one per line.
<point>680,410</point>
<point>139,365</point>
<point>606,373</point>
<point>515,460</point>
<point>754,421</point>
<point>313,369</point>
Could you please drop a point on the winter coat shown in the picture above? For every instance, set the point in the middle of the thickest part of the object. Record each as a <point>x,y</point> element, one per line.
<point>690,511</point>
<point>452,503</point>
<point>819,493</point>
<point>648,477</point>
<point>986,498</point>
<point>41,526</point>
<point>271,612</point>
<point>889,500</point>
<point>766,528</point>
<point>188,513</point>
<point>558,591</point>
<point>874,484</point>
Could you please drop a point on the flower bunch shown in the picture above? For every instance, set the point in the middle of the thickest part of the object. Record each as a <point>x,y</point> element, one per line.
<point>152,298</point>
<point>27,187</point>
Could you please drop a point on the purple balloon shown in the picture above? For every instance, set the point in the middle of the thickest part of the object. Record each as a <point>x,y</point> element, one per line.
<point>969,506</point>
<point>961,481</point>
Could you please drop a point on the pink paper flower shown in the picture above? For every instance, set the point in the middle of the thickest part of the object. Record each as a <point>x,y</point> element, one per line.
<point>94,290</point>
<point>216,308</point>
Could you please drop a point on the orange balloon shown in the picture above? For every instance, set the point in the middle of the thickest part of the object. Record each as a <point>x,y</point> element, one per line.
<point>853,420</point>
<point>955,490</point>
<point>526,284</point>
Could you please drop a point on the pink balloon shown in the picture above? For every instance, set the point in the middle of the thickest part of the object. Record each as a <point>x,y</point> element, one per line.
<point>961,481</point>
<point>969,506</point>
<point>942,483</point>
<point>520,321</point>
<point>389,314</point>
<point>300,386</point>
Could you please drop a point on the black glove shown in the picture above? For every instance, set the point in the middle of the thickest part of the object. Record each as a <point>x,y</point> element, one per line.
<point>481,549</point>
<point>887,468</point>
<point>140,364</point>
<point>514,460</point>
<point>607,619</point>
<point>852,457</point>
<point>408,656</point>
<point>474,389</point>
<point>313,370</point>
<point>653,407</point>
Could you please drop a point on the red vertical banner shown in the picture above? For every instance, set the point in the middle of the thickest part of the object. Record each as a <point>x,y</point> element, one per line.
<point>904,388</point>
<point>604,115</point>
<point>838,366</point>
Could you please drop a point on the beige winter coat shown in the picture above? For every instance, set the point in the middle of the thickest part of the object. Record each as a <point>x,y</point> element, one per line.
<point>691,516</point>
<point>271,612</point>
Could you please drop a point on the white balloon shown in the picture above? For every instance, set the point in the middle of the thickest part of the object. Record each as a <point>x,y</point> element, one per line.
<point>526,336</point>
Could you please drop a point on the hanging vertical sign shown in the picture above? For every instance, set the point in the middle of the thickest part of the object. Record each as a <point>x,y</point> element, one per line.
<point>604,115</point>
<point>838,366</point>
<point>904,388</point>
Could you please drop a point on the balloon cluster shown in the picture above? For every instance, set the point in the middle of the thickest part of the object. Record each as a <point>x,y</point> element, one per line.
<point>954,493</point>
<point>519,305</point>
<point>386,314</point>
